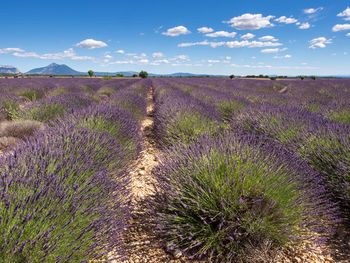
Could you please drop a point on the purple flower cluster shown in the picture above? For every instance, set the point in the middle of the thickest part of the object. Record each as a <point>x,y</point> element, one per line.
<point>222,197</point>
<point>132,98</point>
<point>180,117</point>
<point>49,108</point>
<point>321,142</point>
<point>64,194</point>
<point>59,201</point>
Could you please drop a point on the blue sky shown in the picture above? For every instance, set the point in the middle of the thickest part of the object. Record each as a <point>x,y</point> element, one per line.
<point>204,36</point>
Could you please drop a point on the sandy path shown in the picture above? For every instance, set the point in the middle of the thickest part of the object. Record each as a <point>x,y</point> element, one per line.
<point>141,242</point>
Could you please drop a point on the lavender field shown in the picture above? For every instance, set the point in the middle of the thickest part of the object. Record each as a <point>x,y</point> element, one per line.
<point>174,170</point>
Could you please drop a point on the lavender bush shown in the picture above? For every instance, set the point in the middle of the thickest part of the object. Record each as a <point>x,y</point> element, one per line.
<point>178,117</point>
<point>58,200</point>
<point>48,109</point>
<point>324,144</point>
<point>222,198</point>
<point>112,119</point>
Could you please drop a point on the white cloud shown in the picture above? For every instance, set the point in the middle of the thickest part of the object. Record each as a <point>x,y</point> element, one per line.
<point>10,50</point>
<point>304,26</point>
<point>342,27</point>
<point>285,20</point>
<point>319,42</point>
<point>285,56</point>
<point>119,62</point>
<point>176,31</point>
<point>312,10</point>
<point>222,34</point>
<point>131,54</point>
<point>108,56</point>
<point>248,36</point>
<point>228,58</point>
<point>91,44</point>
<point>120,51</point>
<point>213,61</point>
<point>273,50</point>
<point>157,55</point>
<point>143,61</point>
<point>134,55</point>
<point>69,53</point>
<point>205,30</point>
<point>182,57</point>
<point>268,38</point>
<point>232,44</point>
<point>348,34</point>
<point>345,14</point>
<point>250,21</point>
<point>162,61</point>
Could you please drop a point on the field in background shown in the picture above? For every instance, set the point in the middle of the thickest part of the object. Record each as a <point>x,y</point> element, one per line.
<point>248,168</point>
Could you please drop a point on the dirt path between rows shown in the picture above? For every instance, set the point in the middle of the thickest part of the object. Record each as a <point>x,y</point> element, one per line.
<point>141,242</point>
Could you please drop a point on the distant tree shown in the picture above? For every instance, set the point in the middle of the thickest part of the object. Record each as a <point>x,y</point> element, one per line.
<point>91,73</point>
<point>301,77</point>
<point>143,74</point>
<point>313,77</point>
<point>119,75</point>
<point>273,78</point>
<point>135,75</point>
<point>232,76</point>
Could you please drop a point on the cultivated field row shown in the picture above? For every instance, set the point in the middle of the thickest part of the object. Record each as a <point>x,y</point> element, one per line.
<point>174,170</point>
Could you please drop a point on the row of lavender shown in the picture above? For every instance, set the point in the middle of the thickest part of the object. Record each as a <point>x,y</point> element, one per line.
<point>64,190</point>
<point>321,135</point>
<point>245,167</point>
<point>326,97</point>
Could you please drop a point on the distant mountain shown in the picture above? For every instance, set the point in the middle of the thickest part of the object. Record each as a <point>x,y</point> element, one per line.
<point>55,69</point>
<point>8,70</point>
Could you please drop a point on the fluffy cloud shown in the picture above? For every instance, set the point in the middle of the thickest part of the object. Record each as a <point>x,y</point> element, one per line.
<point>10,50</point>
<point>69,53</point>
<point>268,38</point>
<point>348,34</point>
<point>273,50</point>
<point>205,30</point>
<point>143,61</point>
<point>250,21</point>
<point>285,20</point>
<point>232,44</point>
<point>176,31</point>
<point>91,44</point>
<point>285,56</point>
<point>161,61</point>
<point>319,42</point>
<point>312,10</point>
<point>157,55</point>
<point>213,61</point>
<point>248,36</point>
<point>304,26</point>
<point>120,62</point>
<point>222,34</point>
<point>342,27</point>
<point>120,51</point>
<point>345,14</point>
<point>182,57</point>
